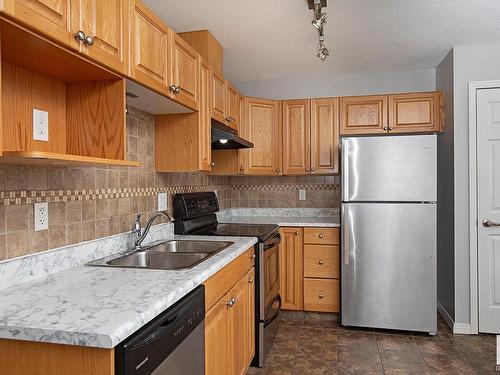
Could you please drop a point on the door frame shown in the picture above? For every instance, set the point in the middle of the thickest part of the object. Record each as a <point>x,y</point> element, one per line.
<point>473,214</point>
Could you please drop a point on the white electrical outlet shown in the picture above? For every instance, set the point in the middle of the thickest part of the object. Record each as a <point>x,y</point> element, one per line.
<point>41,216</point>
<point>162,201</point>
<point>40,125</point>
<point>302,195</point>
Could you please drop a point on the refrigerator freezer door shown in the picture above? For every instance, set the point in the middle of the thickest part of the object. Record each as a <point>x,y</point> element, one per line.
<point>389,266</point>
<point>389,169</point>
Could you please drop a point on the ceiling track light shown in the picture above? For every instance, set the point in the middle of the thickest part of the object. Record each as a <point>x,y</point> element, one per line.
<point>318,22</point>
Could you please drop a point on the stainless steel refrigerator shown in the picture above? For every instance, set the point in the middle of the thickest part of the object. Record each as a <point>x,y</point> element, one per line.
<point>389,192</point>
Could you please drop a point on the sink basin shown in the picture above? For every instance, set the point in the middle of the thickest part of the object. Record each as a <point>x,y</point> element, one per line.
<point>164,261</point>
<point>189,246</point>
<point>168,255</point>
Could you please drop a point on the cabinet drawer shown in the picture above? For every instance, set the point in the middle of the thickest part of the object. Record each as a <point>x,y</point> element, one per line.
<point>321,295</point>
<point>321,236</point>
<point>226,278</point>
<point>321,261</point>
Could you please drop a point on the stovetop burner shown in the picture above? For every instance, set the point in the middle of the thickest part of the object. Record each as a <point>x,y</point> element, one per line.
<point>261,231</point>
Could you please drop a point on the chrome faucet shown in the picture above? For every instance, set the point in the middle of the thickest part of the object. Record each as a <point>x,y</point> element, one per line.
<point>141,235</point>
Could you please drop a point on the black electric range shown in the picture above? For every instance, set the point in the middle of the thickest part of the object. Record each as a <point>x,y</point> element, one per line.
<point>195,214</point>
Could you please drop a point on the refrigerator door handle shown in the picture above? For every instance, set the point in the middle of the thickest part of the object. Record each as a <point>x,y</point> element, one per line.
<point>345,234</point>
<point>345,170</point>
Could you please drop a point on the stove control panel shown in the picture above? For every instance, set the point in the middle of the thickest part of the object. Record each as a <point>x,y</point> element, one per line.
<point>192,205</point>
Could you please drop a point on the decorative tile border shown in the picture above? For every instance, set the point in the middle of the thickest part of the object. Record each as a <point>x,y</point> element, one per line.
<point>19,197</point>
<point>287,187</point>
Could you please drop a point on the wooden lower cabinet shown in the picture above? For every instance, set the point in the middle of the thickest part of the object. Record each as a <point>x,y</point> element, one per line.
<point>291,268</point>
<point>229,323</point>
<point>310,269</point>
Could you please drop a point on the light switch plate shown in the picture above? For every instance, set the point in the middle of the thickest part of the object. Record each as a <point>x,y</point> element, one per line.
<point>302,195</point>
<point>41,216</point>
<point>162,201</point>
<point>40,125</point>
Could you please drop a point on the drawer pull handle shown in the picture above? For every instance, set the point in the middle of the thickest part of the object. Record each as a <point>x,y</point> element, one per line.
<point>320,262</point>
<point>321,296</point>
<point>321,235</point>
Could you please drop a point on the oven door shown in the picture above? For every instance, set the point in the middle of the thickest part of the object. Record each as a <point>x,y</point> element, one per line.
<point>269,274</point>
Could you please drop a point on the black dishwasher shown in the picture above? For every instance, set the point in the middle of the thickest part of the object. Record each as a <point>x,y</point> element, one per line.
<point>173,343</point>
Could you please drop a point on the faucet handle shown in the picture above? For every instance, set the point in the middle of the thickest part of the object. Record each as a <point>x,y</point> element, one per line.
<point>136,226</point>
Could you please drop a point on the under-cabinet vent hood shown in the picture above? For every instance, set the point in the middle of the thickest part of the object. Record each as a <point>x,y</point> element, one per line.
<point>226,138</point>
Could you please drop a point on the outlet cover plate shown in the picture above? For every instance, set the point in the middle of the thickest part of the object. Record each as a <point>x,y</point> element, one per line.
<point>40,125</point>
<point>302,195</point>
<point>162,201</point>
<point>41,216</point>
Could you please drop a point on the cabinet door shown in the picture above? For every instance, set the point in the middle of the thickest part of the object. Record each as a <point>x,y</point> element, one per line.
<point>238,326</point>
<point>217,339</point>
<point>149,43</point>
<point>296,137</point>
<point>107,22</point>
<point>219,97</point>
<point>49,18</point>
<point>324,136</point>
<point>233,106</point>
<point>243,132</point>
<point>263,128</point>
<point>291,269</point>
<point>185,65</point>
<point>205,134</point>
<point>363,114</point>
<point>250,317</point>
<point>418,112</point>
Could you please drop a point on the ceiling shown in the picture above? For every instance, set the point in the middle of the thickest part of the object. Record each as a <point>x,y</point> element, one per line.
<point>274,39</point>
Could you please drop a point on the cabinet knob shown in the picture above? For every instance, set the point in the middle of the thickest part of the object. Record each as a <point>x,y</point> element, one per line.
<point>313,169</point>
<point>250,281</point>
<point>321,296</point>
<point>212,164</point>
<point>231,302</point>
<point>386,128</point>
<point>229,119</point>
<point>80,36</point>
<point>172,89</point>
<point>89,40</point>
<point>320,262</point>
<point>307,169</point>
<point>241,167</point>
<point>390,128</point>
<point>297,233</point>
<point>252,256</point>
<point>320,235</point>
<point>277,170</point>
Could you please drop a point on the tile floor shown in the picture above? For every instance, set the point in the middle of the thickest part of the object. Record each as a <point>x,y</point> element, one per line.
<point>310,343</point>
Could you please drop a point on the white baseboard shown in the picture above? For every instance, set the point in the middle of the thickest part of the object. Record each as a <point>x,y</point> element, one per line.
<point>459,328</point>
<point>462,328</point>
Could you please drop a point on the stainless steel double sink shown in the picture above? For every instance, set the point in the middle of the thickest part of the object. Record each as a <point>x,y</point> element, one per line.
<point>168,255</point>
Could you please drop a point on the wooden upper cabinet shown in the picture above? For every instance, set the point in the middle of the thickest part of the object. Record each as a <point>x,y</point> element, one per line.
<point>219,97</point>
<point>49,18</point>
<point>291,268</point>
<point>150,48</point>
<point>417,112</point>
<point>263,128</point>
<point>107,22</point>
<point>296,137</point>
<point>324,136</point>
<point>185,76</point>
<point>233,106</point>
<point>363,114</point>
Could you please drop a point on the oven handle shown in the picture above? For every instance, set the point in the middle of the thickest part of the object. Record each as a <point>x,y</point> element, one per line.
<point>276,240</point>
<point>273,318</point>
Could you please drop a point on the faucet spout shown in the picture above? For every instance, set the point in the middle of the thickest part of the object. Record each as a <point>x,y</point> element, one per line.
<point>137,228</point>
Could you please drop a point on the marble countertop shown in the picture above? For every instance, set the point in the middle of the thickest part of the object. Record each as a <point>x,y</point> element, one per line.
<point>283,221</point>
<point>101,306</point>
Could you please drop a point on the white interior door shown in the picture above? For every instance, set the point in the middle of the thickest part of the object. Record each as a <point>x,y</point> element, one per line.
<point>488,180</point>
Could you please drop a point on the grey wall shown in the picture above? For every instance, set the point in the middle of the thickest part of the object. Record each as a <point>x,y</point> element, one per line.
<point>362,84</point>
<point>471,63</point>
<point>446,233</point>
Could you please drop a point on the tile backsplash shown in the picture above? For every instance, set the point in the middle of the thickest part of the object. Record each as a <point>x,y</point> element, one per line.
<point>93,202</point>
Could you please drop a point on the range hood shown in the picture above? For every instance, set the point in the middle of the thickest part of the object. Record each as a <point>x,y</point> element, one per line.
<point>226,138</point>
